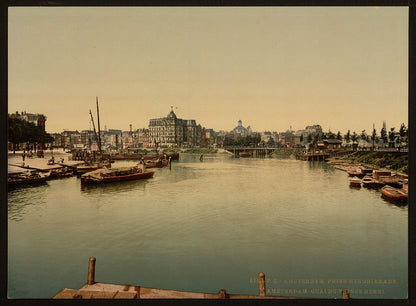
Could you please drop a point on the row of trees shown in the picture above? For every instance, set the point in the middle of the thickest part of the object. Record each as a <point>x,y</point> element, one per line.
<point>240,141</point>
<point>385,136</point>
<point>391,136</point>
<point>21,131</point>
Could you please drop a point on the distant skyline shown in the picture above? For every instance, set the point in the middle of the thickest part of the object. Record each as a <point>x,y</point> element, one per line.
<point>272,67</point>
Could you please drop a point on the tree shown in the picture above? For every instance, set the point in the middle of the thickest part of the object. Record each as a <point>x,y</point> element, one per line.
<point>347,136</point>
<point>392,135</point>
<point>403,133</point>
<point>374,136</point>
<point>330,135</point>
<point>339,137</point>
<point>363,135</point>
<point>354,137</point>
<point>24,131</point>
<point>309,138</point>
<point>383,135</point>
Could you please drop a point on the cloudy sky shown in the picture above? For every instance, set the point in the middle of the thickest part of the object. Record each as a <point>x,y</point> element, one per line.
<point>272,67</point>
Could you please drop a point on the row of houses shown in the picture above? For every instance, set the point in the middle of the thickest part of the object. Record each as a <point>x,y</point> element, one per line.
<point>174,132</point>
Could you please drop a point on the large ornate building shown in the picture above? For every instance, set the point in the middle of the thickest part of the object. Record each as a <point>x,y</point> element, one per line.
<point>37,119</point>
<point>171,132</point>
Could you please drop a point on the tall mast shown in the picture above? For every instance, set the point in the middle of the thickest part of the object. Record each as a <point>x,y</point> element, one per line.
<point>93,125</point>
<point>99,133</point>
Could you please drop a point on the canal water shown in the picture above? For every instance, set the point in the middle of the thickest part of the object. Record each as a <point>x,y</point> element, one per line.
<point>204,226</point>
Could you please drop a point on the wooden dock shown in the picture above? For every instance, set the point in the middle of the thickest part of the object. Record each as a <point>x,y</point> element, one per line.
<point>96,290</point>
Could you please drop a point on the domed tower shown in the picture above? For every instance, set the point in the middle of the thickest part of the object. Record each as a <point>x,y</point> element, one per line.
<point>240,129</point>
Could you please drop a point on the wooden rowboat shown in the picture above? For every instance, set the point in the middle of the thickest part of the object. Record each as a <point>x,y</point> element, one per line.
<point>27,179</point>
<point>369,182</point>
<point>245,154</point>
<point>394,194</point>
<point>106,175</point>
<point>159,163</point>
<point>355,172</point>
<point>355,182</point>
<point>95,166</point>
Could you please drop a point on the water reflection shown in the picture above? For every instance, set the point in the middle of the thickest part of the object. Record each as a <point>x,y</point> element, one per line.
<point>24,198</point>
<point>114,187</point>
<point>212,219</point>
<point>16,188</point>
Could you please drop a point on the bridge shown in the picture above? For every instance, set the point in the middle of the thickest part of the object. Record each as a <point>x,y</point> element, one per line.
<point>250,151</point>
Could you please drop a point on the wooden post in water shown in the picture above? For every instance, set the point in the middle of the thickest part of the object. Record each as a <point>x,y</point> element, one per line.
<point>222,294</point>
<point>345,294</point>
<point>262,284</point>
<point>91,271</point>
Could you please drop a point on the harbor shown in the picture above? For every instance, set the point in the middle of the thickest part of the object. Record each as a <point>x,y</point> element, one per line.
<point>218,152</point>
<point>144,232</point>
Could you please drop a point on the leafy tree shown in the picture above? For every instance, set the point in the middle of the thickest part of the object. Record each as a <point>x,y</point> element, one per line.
<point>24,131</point>
<point>347,136</point>
<point>392,135</point>
<point>403,132</point>
<point>354,137</point>
<point>374,136</point>
<point>339,136</point>
<point>383,135</point>
<point>363,135</point>
<point>330,135</point>
<point>309,138</point>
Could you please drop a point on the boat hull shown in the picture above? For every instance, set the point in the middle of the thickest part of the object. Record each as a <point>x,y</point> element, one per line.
<point>85,169</point>
<point>117,178</point>
<point>26,181</point>
<point>355,182</point>
<point>393,194</point>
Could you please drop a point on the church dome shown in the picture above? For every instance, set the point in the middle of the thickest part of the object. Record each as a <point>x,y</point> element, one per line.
<point>240,128</point>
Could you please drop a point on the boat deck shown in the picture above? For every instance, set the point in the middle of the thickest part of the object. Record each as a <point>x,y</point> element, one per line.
<point>111,291</point>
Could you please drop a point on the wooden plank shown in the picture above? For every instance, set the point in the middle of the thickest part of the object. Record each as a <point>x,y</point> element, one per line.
<point>95,294</point>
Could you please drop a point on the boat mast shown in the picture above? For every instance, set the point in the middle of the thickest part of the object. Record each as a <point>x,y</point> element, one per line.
<point>99,134</point>
<point>93,125</point>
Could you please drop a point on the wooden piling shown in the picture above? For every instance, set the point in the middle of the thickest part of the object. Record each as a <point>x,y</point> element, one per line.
<point>222,294</point>
<point>91,271</point>
<point>262,284</point>
<point>345,294</point>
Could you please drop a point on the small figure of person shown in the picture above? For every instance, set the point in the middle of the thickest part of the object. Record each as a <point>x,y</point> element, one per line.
<point>201,158</point>
<point>23,155</point>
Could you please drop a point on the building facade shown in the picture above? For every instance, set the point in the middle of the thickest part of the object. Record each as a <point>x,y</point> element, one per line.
<point>171,131</point>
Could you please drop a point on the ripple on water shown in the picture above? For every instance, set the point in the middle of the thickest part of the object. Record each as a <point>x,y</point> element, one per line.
<point>224,215</point>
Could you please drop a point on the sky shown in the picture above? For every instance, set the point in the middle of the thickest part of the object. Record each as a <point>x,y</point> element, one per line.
<point>344,68</point>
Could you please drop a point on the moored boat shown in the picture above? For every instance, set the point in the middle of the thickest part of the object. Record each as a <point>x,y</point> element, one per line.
<point>394,194</point>
<point>92,167</point>
<point>355,182</point>
<point>369,182</point>
<point>61,172</point>
<point>355,172</point>
<point>245,154</point>
<point>156,163</point>
<point>106,175</point>
<point>27,178</point>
